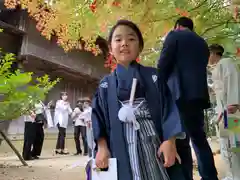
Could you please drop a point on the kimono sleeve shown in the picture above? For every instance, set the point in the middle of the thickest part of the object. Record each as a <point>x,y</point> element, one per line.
<point>171,121</point>
<point>98,119</point>
<point>172,126</point>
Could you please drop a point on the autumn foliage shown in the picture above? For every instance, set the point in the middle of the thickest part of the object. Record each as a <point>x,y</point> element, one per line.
<point>77,24</point>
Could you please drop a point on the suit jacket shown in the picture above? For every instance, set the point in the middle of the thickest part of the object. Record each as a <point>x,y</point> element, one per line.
<point>184,60</point>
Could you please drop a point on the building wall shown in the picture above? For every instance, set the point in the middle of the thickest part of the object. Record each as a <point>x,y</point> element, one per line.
<point>34,45</point>
<point>9,42</point>
<point>80,61</point>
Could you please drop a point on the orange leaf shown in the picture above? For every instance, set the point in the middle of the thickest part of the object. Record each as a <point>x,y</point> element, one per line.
<point>238,51</point>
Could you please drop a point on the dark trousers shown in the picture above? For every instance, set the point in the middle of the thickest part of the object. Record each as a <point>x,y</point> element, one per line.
<point>61,138</point>
<point>29,137</point>
<point>193,121</point>
<point>80,130</point>
<point>175,172</point>
<point>38,142</point>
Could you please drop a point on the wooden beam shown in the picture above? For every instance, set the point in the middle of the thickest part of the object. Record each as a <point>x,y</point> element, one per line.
<point>11,29</point>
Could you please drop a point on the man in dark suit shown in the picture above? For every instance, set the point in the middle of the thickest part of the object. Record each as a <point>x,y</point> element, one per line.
<point>184,60</point>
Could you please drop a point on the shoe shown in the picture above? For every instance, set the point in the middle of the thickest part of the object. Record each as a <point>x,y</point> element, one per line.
<point>28,159</point>
<point>63,153</point>
<point>85,154</point>
<point>57,152</point>
<point>36,157</point>
<point>77,154</point>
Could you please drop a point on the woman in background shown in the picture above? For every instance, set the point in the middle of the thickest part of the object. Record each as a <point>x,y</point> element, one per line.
<point>40,120</point>
<point>29,136</point>
<point>88,121</point>
<point>61,117</point>
<point>79,128</point>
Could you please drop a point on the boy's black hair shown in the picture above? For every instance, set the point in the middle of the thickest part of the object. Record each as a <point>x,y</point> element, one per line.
<point>217,49</point>
<point>131,25</point>
<point>185,22</point>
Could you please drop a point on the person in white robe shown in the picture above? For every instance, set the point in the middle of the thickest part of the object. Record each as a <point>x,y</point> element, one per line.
<point>226,85</point>
<point>62,113</point>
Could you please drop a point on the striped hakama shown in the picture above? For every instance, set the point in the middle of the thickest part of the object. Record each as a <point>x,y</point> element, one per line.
<point>143,145</point>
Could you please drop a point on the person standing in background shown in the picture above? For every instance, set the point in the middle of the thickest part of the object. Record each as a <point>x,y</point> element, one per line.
<point>183,62</point>
<point>79,128</point>
<point>40,122</point>
<point>86,115</point>
<point>226,85</point>
<point>61,117</point>
<point>88,121</point>
<point>29,136</point>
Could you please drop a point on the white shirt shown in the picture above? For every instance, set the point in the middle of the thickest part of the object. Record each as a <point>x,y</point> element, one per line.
<point>226,83</point>
<point>39,108</point>
<point>62,112</point>
<point>28,118</point>
<point>78,121</point>
<point>86,114</point>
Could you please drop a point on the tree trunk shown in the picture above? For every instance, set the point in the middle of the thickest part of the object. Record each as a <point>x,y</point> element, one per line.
<point>13,148</point>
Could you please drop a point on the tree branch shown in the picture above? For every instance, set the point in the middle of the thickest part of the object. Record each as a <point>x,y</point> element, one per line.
<point>176,15</point>
<point>216,26</point>
<point>227,35</point>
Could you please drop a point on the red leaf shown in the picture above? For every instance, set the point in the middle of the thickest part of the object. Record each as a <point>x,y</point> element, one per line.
<point>236,12</point>
<point>93,6</point>
<point>236,120</point>
<point>178,10</point>
<point>116,4</point>
<point>104,27</point>
<point>238,51</point>
<point>184,13</point>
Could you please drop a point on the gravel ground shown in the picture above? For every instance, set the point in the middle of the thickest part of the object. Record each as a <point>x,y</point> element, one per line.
<point>54,167</point>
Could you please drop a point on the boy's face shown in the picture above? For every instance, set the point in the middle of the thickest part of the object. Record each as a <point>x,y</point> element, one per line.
<point>86,104</point>
<point>213,58</point>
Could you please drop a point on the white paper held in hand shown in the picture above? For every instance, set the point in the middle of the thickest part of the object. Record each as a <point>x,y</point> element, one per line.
<point>111,174</point>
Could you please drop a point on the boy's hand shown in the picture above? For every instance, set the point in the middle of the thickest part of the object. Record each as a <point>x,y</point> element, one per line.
<point>169,151</point>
